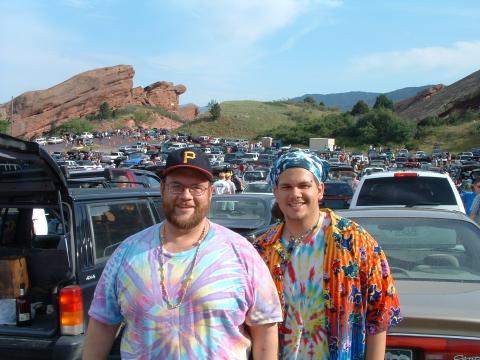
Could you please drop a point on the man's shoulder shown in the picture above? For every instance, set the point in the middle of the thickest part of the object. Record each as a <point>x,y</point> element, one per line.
<point>141,241</point>
<point>345,230</point>
<point>225,233</point>
<point>229,238</point>
<point>269,237</point>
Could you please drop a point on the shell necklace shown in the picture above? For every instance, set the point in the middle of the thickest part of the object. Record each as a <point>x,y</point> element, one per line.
<point>188,279</point>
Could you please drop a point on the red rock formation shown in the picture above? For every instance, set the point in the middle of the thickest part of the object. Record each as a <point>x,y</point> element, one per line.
<point>420,96</point>
<point>35,111</point>
<point>189,112</point>
<point>440,101</point>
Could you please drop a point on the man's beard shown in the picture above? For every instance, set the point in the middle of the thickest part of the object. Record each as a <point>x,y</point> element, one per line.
<point>199,213</point>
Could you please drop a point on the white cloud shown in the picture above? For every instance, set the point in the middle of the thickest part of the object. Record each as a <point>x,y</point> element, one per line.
<point>249,21</point>
<point>461,56</point>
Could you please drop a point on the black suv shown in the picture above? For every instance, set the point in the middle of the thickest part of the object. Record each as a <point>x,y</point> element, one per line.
<point>56,240</point>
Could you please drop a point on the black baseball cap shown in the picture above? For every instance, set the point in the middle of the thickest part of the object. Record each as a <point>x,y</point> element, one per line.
<point>188,158</point>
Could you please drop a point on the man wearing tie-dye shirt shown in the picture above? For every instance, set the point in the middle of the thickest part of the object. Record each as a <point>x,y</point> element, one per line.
<point>186,288</point>
<point>333,279</point>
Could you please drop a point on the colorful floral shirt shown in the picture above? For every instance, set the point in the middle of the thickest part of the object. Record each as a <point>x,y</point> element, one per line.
<point>231,287</point>
<point>335,288</point>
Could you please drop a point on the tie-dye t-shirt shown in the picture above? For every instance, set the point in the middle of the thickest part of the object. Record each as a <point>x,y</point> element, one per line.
<point>231,288</point>
<point>336,289</point>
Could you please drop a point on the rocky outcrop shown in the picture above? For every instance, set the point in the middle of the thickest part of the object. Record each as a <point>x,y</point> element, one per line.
<point>189,112</point>
<point>442,100</point>
<point>35,111</point>
<point>419,97</point>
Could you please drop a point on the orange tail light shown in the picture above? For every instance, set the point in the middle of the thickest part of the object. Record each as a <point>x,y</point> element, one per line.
<point>71,310</point>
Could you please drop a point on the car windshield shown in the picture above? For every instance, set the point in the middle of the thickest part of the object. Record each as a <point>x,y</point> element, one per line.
<point>258,188</point>
<point>428,249</point>
<point>408,191</point>
<point>239,213</point>
<point>254,175</point>
<point>338,189</point>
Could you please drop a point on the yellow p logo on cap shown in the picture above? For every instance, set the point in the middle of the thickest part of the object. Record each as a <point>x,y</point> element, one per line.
<point>188,155</point>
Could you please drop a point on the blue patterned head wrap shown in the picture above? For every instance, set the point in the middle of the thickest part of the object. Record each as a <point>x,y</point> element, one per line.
<point>309,161</point>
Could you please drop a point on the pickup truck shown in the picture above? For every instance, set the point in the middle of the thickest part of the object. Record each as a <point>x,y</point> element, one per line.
<point>110,159</point>
<point>81,227</point>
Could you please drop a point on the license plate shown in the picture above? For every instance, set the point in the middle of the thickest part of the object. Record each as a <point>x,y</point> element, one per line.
<point>398,354</point>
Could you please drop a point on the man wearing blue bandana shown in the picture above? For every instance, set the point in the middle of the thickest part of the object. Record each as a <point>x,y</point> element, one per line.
<point>333,279</point>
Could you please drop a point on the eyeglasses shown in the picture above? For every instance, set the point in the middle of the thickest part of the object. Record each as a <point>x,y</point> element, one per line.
<point>177,189</point>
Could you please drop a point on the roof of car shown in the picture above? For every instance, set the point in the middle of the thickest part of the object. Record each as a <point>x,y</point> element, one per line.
<point>111,193</point>
<point>374,212</point>
<point>391,173</point>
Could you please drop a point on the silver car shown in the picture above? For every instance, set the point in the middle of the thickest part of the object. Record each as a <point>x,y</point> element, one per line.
<point>434,258</point>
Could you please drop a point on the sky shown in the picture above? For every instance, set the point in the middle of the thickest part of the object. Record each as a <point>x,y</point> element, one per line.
<point>241,49</point>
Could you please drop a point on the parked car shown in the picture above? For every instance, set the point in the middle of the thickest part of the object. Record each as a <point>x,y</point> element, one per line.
<point>433,256</point>
<point>371,170</point>
<point>254,175</point>
<point>114,155</point>
<point>88,165</point>
<point>258,187</point>
<point>114,177</point>
<point>407,188</point>
<point>84,227</point>
<point>55,140</point>
<point>41,141</point>
<point>86,135</point>
<point>246,214</point>
<point>337,195</point>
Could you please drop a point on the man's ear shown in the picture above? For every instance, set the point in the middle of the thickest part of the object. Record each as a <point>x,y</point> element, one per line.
<point>321,190</point>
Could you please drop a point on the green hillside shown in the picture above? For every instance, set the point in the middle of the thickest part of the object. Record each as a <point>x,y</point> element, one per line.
<point>247,119</point>
<point>455,138</point>
<point>251,119</point>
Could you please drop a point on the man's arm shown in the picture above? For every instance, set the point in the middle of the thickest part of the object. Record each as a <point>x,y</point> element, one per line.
<point>264,341</point>
<point>376,346</point>
<point>99,340</point>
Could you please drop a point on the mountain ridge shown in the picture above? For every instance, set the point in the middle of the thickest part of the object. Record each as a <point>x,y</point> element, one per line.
<point>346,100</point>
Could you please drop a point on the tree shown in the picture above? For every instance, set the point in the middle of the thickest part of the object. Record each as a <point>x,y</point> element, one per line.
<point>360,108</point>
<point>214,109</point>
<point>310,100</point>
<point>105,111</point>
<point>383,126</point>
<point>4,126</point>
<point>53,129</point>
<point>383,102</point>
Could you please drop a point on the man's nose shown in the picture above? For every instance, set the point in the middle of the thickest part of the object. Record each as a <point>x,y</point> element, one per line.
<point>186,193</point>
<point>296,191</point>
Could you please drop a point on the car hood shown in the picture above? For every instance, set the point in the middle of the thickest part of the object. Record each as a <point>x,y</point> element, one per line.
<point>30,176</point>
<point>440,308</point>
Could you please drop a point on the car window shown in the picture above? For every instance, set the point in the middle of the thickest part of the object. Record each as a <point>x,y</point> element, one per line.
<point>254,176</point>
<point>152,182</point>
<point>407,191</point>
<point>37,228</point>
<point>240,212</point>
<point>338,189</point>
<point>113,222</point>
<point>258,188</point>
<point>428,249</point>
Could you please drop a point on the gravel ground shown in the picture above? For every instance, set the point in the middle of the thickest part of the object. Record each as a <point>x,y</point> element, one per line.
<point>102,145</point>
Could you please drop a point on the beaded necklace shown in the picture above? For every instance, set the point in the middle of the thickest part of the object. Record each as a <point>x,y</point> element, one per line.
<point>188,279</point>
<point>285,253</point>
